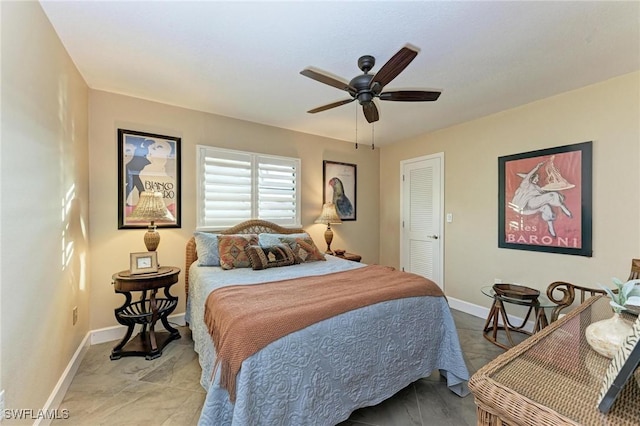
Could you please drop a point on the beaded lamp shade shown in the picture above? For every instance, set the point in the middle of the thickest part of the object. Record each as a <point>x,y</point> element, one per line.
<point>328,216</point>
<point>151,208</point>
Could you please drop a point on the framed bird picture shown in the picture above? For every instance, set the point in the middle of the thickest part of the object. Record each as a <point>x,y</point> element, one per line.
<point>340,187</point>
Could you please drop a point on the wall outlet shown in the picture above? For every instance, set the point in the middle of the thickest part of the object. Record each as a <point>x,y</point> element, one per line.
<point>75,315</point>
<point>497,281</point>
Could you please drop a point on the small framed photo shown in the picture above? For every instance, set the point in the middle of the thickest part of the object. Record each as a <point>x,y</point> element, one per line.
<point>144,262</point>
<point>340,187</point>
<point>620,370</point>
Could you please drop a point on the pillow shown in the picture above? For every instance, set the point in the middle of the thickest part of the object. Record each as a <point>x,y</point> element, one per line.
<point>207,249</point>
<point>231,248</point>
<point>268,240</point>
<point>304,249</point>
<point>270,257</point>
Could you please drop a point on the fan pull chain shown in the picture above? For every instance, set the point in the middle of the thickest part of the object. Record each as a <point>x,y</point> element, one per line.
<point>356,125</point>
<point>373,145</point>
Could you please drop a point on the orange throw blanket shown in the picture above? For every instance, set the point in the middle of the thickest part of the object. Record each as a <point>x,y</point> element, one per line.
<point>243,319</point>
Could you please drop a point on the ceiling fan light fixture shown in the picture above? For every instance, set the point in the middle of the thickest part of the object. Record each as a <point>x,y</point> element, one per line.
<point>365,97</point>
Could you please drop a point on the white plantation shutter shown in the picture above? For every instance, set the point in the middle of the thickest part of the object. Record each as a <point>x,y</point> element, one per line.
<point>226,188</point>
<point>235,186</point>
<point>278,189</point>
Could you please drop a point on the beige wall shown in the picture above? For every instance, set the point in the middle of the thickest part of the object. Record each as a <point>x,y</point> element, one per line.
<point>110,247</point>
<point>606,113</point>
<point>44,158</point>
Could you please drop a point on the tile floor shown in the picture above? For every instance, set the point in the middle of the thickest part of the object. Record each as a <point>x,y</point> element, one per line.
<point>166,391</point>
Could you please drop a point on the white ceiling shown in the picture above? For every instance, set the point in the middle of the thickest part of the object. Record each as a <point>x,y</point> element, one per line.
<point>242,59</point>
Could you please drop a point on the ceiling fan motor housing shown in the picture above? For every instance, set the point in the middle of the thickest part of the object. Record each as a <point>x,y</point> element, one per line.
<point>363,91</point>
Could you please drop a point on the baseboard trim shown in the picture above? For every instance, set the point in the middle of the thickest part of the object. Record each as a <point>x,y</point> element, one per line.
<point>59,391</point>
<point>116,332</point>
<point>468,308</point>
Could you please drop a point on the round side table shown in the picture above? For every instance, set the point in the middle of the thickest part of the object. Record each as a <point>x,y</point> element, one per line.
<point>145,311</point>
<point>498,319</point>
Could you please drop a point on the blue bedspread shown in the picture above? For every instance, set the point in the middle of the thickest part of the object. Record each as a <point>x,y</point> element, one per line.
<point>319,375</point>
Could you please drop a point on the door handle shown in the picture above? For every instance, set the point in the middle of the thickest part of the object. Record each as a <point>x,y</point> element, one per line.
<point>435,237</point>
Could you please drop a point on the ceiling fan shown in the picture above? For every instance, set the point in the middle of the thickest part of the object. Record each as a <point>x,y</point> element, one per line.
<point>365,87</point>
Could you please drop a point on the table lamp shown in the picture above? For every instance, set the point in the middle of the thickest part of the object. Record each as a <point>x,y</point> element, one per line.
<point>328,216</point>
<point>151,208</point>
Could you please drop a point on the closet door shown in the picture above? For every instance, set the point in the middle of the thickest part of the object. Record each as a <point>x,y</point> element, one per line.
<point>421,215</point>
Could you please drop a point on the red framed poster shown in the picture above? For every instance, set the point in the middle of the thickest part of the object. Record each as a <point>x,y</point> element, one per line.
<point>544,200</point>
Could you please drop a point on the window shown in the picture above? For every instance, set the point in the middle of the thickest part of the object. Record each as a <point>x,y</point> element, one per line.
<point>234,186</point>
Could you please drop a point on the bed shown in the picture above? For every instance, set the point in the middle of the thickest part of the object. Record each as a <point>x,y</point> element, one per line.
<point>320,374</point>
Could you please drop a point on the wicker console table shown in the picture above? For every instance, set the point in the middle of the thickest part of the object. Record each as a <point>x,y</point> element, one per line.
<point>553,378</point>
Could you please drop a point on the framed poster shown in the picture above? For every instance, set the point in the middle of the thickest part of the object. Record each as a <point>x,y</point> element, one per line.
<point>340,188</point>
<point>147,162</point>
<point>544,200</point>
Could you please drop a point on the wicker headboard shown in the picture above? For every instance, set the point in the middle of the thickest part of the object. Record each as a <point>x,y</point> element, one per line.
<point>254,226</point>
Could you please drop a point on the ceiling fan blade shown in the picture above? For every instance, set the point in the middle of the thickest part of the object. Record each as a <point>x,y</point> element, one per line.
<point>370,112</point>
<point>331,105</point>
<point>393,67</point>
<point>410,96</point>
<point>323,77</point>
